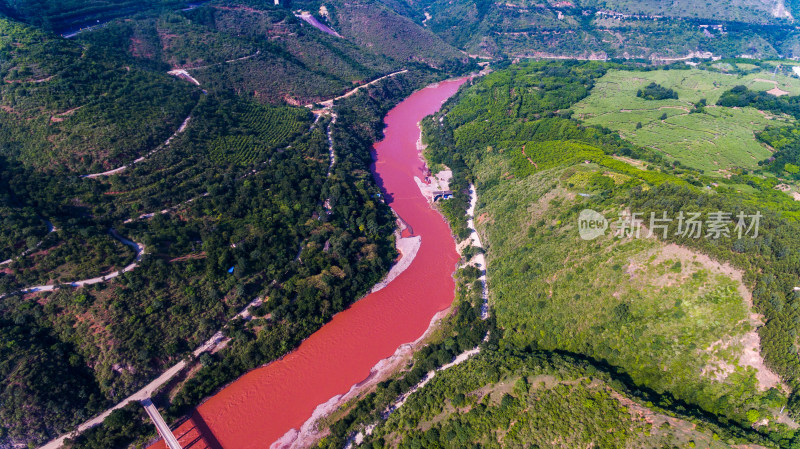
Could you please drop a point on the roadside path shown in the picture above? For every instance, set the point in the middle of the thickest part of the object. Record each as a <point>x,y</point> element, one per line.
<point>137,247</point>
<point>328,103</point>
<point>180,129</point>
<point>479,260</point>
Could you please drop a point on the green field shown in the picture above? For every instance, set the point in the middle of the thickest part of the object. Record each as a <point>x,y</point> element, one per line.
<point>715,141</point>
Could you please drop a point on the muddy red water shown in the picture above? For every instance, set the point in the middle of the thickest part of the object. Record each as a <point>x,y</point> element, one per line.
<point>262,406</point>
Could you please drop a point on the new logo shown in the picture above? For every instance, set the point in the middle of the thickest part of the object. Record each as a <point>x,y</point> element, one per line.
<point>591,224</point>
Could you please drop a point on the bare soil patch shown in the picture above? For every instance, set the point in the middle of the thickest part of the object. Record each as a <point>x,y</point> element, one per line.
<point>750,341</point>
<point>777,92</point>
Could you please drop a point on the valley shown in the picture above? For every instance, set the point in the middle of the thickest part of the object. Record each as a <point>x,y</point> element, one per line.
<point>219,209</point>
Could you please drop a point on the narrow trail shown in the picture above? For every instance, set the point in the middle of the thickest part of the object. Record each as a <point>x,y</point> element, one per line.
<point>331,152</point>
<point>328,103</point>
<point>184,72</point>
<point>50,228</point>
<point>137,247</point>
<point>165,211</point>
<point>166,143</point>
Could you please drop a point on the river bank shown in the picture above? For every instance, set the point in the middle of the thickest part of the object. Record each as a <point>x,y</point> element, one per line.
<point>274,402</point>
<point>313,429</point>
<point>478,261</point>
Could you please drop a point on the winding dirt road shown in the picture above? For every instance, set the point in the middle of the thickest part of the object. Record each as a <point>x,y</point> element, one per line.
<point>328,103</point>
<point>180,129</point>
<point>137,247</point>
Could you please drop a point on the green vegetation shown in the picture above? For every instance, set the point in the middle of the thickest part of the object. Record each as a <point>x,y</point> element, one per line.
<point>20,229</point>
<point>373,25</point>
<point>261,130</point>
<point>504,396</point>
<point>782,140</point>
<point>540,400</point>
<point>244,185</point>
<point>64,105</point>
<point>44,380</point>
<point>69,256</point>
<point>297,63</point>
<point>124,426</point>
<point>741,96</point>
<point>608,29</point>
<point>654,91</point>
<point>263,51</point>
<point>636,304</point>
<point>658,315</point>
<point>727,10</point>
<point>712,139</point>
<point>64,14</point>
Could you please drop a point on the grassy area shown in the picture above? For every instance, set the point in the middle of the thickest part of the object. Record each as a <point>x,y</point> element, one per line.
<point>714,140</point>
<point>673,318</point>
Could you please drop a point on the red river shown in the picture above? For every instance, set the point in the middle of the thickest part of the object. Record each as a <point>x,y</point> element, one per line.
<point>260,408</point>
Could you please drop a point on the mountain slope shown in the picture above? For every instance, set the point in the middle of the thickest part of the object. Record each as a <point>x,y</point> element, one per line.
<point>763,12</point>
<point>601,30</point>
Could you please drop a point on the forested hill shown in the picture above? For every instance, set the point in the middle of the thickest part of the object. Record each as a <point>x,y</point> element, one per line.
<point>178,204</point>
<point>104,99</point>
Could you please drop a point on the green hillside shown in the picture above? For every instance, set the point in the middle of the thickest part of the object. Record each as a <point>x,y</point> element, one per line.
<point>71,106</point>
<point>58,15</point>
<point>535,401</point>
<point>749,11</point>
<point>697,329</point>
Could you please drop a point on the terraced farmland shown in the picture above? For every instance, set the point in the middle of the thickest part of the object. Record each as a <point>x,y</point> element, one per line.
<point>713,139</point>
<point>273,127</point>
